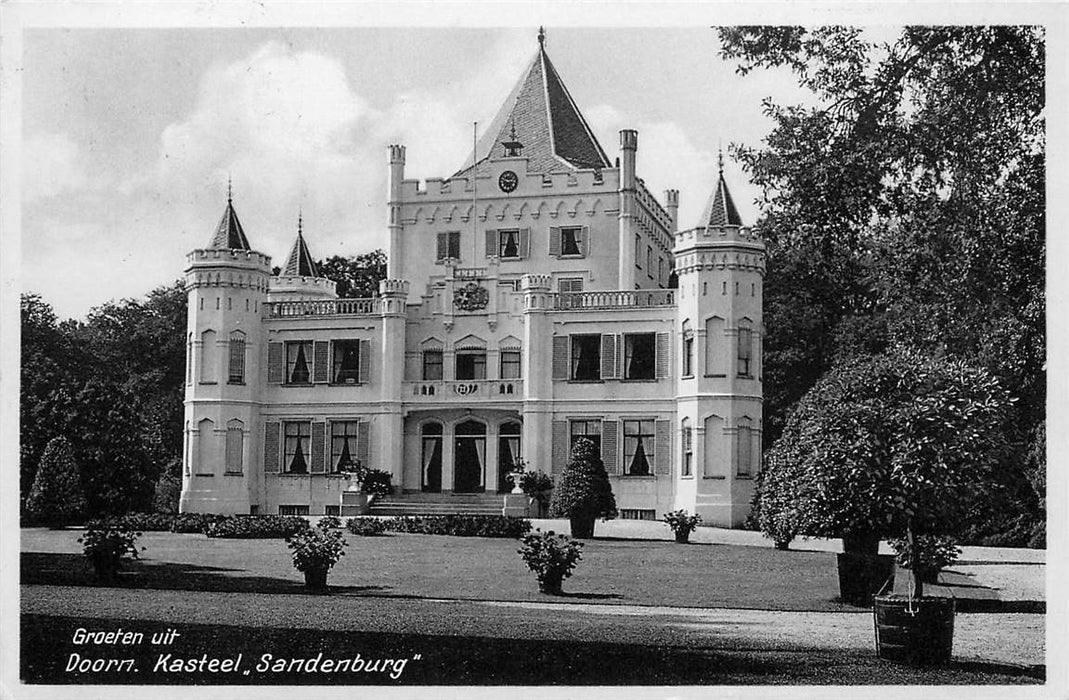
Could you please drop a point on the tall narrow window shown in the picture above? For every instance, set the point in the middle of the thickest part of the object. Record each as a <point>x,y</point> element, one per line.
<point>715,348</point>
<point>448,245</point>
<point>638,251</point>
<point>638,447</point>
<point>508,453</point>
<point>688,350</point>
<point>471,364</point>
<point>431,458</point>
<point>299,362</point>
<point>509,243</point>
<point>206,455</point>
<point>649,261</point>
<point>510,364</point>
<point>209,358</point>
<point>343,447</point>
<point>687,448</point>
<point>639,355</point>
<point>235,444</point>
<point>346,362</point>
<point>586,357</point>
<point>745,448</point>
<point>236,370</point>
<point>745,351</point>
<point>588,429</point>
<point>432,365</point>
<point>298,438</point>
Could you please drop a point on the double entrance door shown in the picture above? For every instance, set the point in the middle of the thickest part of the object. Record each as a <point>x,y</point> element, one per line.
<point>469,456</point>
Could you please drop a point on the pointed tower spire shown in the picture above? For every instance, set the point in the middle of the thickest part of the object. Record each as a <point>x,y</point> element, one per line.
<point>300,262</point>
<point>548,123</point>
<point>720,210</point>
<point>229,234</point>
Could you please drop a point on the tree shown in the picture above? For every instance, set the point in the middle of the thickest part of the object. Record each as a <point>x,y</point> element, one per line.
<point>168,488</point>
<point>905,205</point>
<point>892,444</point>
<point>358,276</point>
<point>56,497</point>
<point>583,492</point>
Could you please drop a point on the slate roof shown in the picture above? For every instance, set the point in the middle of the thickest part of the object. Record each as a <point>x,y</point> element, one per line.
<point>720,210</point>
<point>299,263</point>
<point>554,134</point>
<point>229,234</point>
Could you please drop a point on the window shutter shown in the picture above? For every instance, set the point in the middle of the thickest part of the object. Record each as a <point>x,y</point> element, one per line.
<point>662,359</point>
<point>276,371</point>
<point>662,448</point>
<point>318,438</point>
<point>271,431</point>
<point>584,241</point>
<point>554,241</point>
<point>443,246</point>
<point>560,357</point>
<point>609,445</point>
<point>365,361</point>
<point>363,442</point>
<point>321,361</point>
<point>608,356</point>
<point>491,242</point>
<point>525,242</point>
<point>560,446</point>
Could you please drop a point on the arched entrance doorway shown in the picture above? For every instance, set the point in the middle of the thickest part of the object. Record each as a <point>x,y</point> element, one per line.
<point>431,457</point>
<point>469,457</point>
<point>508,454</point>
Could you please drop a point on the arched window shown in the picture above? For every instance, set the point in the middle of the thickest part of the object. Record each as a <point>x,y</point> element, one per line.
<point>745,349</point>
<point>209,357</point>
<point>688,350</point>
<point>431,460</point>
<point>236,365</point>
<point>714,347</point>
<point>235,443</point>
<point>206,456</point>
<point>745,448</point>
<point>508,449</point>
<point>469,455</point>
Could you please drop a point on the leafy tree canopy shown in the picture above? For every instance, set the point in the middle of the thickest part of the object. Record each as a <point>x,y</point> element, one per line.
<point>357,276</point>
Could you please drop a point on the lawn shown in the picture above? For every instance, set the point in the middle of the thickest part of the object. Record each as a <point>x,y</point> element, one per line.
<point>461,611</point>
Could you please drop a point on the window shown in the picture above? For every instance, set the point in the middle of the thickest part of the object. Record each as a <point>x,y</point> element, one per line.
<point>236,371</point>
<point>639,355</point>
<point>638,251</point>
<point>206,454</point>
<point>346,362</point>
<point>448,245</point>
<point>432,365</point>
<point>235,438</point>
<point>432,457</point>
<point>745,351</point>
<point>471,365</point>
<point>687,447</point>
<point>299,362</point>
<point>649,261</point>
<point>293,510</point>
<point>508,451</point>
<point>343,444</point>
<point>660,271</point>
<point>688,352</point>
<point>332,510</point>
<point>298,437</point>
<point>745,448</point>
<point>570,285</point>
<point>569,240</point>
<point>638,447</point>
<point>586,358</point>
<point>510,364</point>
<point>509,243</point>
<point>589,429</point>
<point>638,514</point>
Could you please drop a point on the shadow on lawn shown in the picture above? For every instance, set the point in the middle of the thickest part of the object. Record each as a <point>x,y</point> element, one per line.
<point>72,570</point>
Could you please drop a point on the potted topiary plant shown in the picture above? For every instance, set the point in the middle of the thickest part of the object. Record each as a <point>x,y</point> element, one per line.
<point>106,546</point>
<point>888,446</point>
<point>551,557</point>
<point>682,524</point>
<point>315,552</point>
<point>583,493</point>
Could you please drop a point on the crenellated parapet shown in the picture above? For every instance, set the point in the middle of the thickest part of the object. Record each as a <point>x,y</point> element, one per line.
<point>393,288</point>
<point>719,248</point>
<point>296,288</point>
<point>245,269</point>
<point>696,260</point>
<point>530,184</point>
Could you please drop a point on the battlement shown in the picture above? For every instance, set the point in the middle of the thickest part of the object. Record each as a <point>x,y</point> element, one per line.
<point>530,184</point>
<point>719,235</point>
<point>203,257</point>
<point>300,286</point>
<point>393,288</point>
<point>536,283</point>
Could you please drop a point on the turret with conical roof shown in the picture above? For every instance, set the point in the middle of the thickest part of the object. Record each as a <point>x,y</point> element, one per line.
<point>229,234</point>
<point>299,279</point>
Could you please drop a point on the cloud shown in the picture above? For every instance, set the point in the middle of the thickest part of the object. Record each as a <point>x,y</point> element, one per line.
<point>51,166</point>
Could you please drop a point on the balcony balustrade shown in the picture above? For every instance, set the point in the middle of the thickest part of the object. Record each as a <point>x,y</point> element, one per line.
<point>323,307</point>
<point>571,301</point>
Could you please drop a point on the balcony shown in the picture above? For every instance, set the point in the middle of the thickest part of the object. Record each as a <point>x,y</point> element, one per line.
<point>322,307</point>
<point>579,301</point>
<point>460,390</point>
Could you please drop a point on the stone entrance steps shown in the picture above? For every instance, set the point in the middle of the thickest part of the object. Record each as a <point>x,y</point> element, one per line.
<point>439,504</point>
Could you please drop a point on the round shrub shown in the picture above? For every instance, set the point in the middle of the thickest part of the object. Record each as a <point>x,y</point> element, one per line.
<point>56,498</point>
<point>551,557</point>
<point>106,546</point>
<point>315,552</point>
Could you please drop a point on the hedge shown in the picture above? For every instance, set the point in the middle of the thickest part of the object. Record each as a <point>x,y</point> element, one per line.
<point>461,525</point>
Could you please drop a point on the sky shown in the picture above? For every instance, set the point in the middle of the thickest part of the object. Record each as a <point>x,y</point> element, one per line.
<point>130,135</point>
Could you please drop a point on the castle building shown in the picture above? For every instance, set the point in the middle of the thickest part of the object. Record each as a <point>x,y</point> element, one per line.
<point>539,295</point>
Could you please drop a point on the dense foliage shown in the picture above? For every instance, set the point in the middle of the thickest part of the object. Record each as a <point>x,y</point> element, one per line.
<point>316,548</point>
<point>551,557</point>
<point>904,204</point>
<point>934,553</point>
<point>56,498</point>
<point>461,525</point>
<point>682,522</point>
<point>583,489</point>
<point>107,546</point>
<point>887,442</point>
<point>358,276</point>
<point>366,526</point>
<point>257,526</point>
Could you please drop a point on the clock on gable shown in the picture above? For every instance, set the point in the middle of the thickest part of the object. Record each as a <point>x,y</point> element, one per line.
<point>508,181</point>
